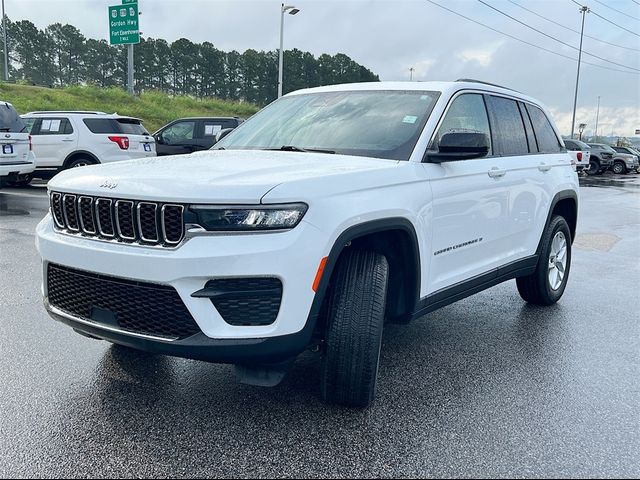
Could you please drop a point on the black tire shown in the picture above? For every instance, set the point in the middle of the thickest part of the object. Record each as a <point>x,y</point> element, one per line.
<point>594,167</point>
<point>619,168</point>
<point>536,288</point>
<point>354,332</point>
<point>23,182</point>
<point>81,162</point>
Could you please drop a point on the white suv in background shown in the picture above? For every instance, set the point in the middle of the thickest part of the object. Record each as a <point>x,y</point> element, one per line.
<point>65,139</point>
<point>16,157</point>
<point>327,214</point>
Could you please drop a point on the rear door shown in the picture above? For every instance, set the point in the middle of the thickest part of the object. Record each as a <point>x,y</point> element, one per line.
<point>53,138</point>
<point>210,128</point>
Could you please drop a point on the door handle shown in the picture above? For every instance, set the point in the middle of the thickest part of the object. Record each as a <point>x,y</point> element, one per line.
<point>495,172</point>
<point>543,167</point>
<point>67,139</point>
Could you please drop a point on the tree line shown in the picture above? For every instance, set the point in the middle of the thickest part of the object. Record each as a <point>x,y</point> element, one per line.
<point>60,55</point>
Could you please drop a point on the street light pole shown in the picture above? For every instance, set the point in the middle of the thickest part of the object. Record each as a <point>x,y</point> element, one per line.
<point>584,10</point>
<point>292,11</point>
<point>597,115</point>
<point>411,74</point>
<point>6,54</point>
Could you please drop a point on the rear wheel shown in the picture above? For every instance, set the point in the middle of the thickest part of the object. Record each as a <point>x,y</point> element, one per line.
<point>546,284</point>
<point>81,162</point>
<point>594,167</point>
<point>22,182</point>
<point>354,332</point>
<point>619,168</point>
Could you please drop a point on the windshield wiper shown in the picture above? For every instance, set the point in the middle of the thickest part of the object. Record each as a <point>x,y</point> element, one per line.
<point>293,148</point>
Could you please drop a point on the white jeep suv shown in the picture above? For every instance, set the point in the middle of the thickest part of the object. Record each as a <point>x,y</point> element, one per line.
<point>66,139</point>
<point>17,160</point>
<point>328,213</point>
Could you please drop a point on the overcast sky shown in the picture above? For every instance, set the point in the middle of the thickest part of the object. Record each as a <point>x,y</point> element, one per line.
<point>389,36</point>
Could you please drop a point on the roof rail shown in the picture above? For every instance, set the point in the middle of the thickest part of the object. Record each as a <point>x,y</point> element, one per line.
<point>471,80</point>
<point>82,112</point>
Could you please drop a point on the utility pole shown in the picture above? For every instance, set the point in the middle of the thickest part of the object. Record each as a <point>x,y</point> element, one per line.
<point>411,74</point>
<point>584,10</point>
<point>292,11</point>
<point>6,53</point>
<point>597,115</point>
<point>130,69</point>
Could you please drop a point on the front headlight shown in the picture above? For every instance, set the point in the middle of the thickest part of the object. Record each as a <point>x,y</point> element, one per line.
<point>248,218</point>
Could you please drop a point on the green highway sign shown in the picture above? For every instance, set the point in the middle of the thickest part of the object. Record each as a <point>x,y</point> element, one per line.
<point>123,24</point>
<point>126,2</point>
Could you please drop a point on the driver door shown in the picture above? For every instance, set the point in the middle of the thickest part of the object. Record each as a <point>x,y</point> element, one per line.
<point>177,138</point>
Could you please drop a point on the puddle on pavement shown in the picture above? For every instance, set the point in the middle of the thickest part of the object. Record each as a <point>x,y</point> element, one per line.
<point>612,182</point>
<point>600,242</point>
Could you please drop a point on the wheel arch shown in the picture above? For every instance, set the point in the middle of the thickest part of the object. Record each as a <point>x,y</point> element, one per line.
<point>565,204</point>
<point>78,154</point>
<point>397,240</point>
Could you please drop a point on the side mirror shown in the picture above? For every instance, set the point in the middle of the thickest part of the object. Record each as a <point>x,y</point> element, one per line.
<point>223,133</point>
<point>460,146</point>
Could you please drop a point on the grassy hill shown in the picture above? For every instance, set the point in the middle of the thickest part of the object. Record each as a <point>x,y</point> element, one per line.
<point>154,108</point>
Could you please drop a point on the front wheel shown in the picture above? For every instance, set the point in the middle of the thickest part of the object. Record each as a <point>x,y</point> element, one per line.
<point>354,332</point>
<point>546,284</point>
<point>619,168</point>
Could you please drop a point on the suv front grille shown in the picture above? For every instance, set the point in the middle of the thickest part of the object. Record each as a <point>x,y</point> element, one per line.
<point>146,223</point>
<point>142,308</point>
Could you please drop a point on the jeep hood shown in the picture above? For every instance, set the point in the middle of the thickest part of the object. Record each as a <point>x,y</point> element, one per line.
<point>212,176</point>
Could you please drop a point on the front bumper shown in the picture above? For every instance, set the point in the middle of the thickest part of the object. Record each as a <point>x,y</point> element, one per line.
<point>292,256</point>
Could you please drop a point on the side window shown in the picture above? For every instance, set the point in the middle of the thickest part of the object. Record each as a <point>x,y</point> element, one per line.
<point>467,113</point>
<point>211,128</point>
<point>528,128</point>
<point>54,126</point>
<point>547,140</point>
<point>508,127</point>
<point>179,132</point>
<point>28,122</point>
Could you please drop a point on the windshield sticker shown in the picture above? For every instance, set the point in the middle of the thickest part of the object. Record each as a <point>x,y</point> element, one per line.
<point>424,97</point>
<point>409,119</point>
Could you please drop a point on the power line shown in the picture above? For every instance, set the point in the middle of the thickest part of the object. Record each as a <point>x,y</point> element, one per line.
<point>607,20</point>
<point>616,10</point>
<point>571,29</point>
<point>554,38</point>
<point>636,1</point>
<point>538,47</point>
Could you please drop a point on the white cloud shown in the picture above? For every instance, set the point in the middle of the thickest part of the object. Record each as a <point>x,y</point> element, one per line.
<point>482,55</point>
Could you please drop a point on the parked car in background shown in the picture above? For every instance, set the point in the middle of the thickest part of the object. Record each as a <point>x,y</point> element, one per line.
<point>580,152</point>
<point>625,160</point>
<point>17,160</point>
<point>601,158</point>
<point>66,139</point>
<point>188,135</point>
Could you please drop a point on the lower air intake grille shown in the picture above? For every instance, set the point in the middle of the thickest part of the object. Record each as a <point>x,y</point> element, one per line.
<point>143,308</point>
<point>247,301</point>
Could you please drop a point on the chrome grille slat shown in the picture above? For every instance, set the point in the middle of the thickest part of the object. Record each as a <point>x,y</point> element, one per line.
<point>147,214</point>
<point>85,214</point>
<point>118,220</point>
<point>171,231</point>
<point>70,210</point>
<point>105,226</point>
<point>124,209</point>
<point>57,210</point>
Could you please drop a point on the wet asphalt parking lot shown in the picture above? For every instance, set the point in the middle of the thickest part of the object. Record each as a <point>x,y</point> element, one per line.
<point>486,387</point>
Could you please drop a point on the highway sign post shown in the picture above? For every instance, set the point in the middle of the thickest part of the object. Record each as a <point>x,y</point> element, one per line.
<point>124,29</point>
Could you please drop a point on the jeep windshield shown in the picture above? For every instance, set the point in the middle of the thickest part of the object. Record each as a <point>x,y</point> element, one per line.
<point>373,123</point>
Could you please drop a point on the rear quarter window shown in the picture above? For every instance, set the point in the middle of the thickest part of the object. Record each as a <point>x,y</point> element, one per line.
<point>110,126</point>
<point>10,121</point>
<point>545,135</point>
